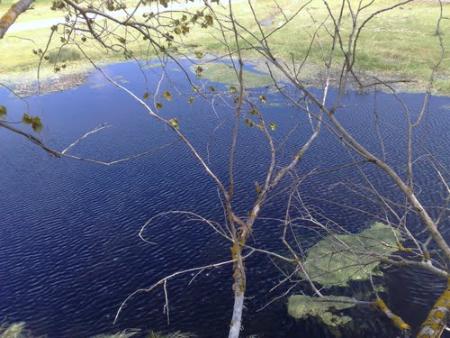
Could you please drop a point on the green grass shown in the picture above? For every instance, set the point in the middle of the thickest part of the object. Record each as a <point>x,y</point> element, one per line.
<point>399,44</point>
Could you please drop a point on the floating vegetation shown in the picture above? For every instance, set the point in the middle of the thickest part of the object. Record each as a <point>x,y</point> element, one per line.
<point>18,330</point>
<point>152,334</point>
<point>224,73</point>
<point>151,64</point>
<point>123,334</point>
<point>15,330</point>
<point>49,85</point>
<point>339,259</point>
<point>324,309</point>
<point>176,334</point>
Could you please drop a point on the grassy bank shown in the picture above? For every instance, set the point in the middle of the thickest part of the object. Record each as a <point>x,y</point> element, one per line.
<point>399,44</point>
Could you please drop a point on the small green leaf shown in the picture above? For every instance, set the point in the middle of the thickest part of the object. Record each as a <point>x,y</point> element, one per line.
<point>273,126</point>
<point>146,95</point>
<point>199,70</point>
<point>27,119</point>
<point>174,123</point>
<point>167,95</point>
<point>254,111</point>
<point>185,29</point>
<point>36,124</point>
<point>257,187</point>
<point>209,20</point>
<point>3,111</point>
<point>249,122</point>
<point>159,105</point>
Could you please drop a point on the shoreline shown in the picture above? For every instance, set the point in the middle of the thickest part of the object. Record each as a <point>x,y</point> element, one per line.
<point>25,83</point>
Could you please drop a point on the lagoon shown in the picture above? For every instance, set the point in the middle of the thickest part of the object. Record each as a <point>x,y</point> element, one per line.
<point>69,246</point>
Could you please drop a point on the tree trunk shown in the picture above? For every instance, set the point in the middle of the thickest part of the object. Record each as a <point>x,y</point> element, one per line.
<point>236,319</point>
<point>239,291</point>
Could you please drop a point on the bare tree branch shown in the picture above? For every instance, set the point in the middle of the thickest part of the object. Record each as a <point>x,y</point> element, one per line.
<point>12,14</point>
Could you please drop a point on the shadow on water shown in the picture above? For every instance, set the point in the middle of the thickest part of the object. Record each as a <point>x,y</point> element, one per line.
<point>68,235</point>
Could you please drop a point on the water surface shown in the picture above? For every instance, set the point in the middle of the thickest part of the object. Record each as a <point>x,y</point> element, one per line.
<point>69,248</point>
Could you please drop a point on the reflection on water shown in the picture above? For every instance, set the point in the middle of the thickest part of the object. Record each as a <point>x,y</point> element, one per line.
<point>68,235</point>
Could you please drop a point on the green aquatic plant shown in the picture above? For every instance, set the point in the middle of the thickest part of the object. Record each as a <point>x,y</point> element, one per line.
<point>18,330</point>
<point>14,330</point>
<point>122,334</point>
<point>338,259</point>
<point>326,309</point>
<point>152,334</point>
<point>223,73</point>
<point>334,262</point>
<point>176,334</point>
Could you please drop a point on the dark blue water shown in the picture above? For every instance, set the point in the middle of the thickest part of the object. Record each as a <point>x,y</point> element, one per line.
<point>69,250</point>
